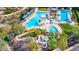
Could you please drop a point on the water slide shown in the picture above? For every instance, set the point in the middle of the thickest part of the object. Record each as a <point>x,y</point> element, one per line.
<point>42,40</point>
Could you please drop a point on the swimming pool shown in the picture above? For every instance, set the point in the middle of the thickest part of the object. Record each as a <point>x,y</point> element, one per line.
<point>64,15</point>
<point>53,29</point>
<point>33,22</point>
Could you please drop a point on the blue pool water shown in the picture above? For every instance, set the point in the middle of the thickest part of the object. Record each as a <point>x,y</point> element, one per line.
<point>33,22</point>
<point>64,15</point>
<point>53,29</point>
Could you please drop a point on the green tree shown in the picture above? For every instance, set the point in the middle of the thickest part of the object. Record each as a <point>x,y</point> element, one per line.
<point>63,41</point>
<point>43,9</point>
<point>76,11</point>
<point>31,8</point>
<point>38,32</point>
<point>66,27</point>
<point>6,28</point>
<point>9,10</point>
<point>3,35</point>
<point>52,43</point>
<point>18,29</point>
<point>35,32</point>
<point>32,34</point>
<point>3,45</point>
<point>75,30</point>
<point>50,34</point>
<point>32,44</point>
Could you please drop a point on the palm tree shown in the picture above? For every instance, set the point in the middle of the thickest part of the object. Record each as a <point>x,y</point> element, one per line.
<point>75,11</point>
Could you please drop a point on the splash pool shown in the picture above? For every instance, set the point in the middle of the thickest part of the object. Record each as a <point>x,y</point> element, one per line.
<point>53,29</point>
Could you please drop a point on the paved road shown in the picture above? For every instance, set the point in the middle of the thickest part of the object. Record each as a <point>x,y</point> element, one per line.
<point>75,49</point>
